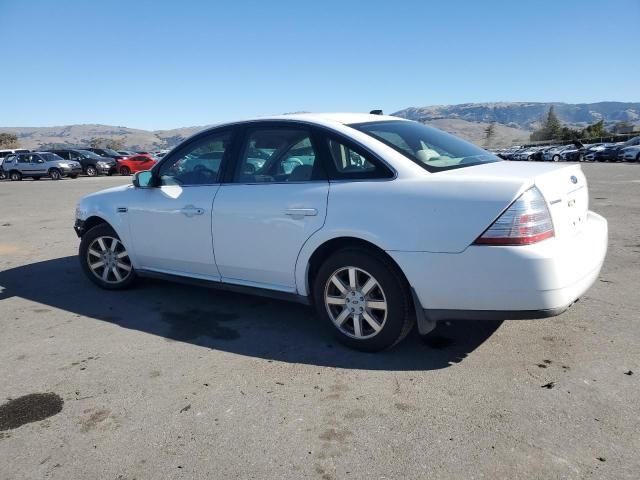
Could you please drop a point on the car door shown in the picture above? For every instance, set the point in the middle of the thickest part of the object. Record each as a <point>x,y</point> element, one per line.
<point>275,201</point>
<point>170,224</point>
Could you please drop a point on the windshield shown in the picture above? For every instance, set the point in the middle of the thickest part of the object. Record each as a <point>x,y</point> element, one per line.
<point>51,157</point>
<point>111,153</point>
<point>432,149</point>
<point>90,154</point>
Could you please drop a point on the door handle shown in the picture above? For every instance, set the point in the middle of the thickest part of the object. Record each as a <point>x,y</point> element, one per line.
<point>190,211</point>
<point>301,212</point>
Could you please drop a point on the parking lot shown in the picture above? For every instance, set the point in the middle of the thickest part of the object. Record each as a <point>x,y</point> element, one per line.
<point>174,381</point>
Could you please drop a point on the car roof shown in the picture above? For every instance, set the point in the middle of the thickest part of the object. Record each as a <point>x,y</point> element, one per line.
<point>324,118</point>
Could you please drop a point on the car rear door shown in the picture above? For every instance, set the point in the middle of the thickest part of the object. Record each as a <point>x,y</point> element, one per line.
<point>275,200</point>
<point>170,224</point>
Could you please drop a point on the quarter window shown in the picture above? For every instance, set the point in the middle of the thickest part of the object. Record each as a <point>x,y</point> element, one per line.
<point>277,155</point>
<point>199,164</point>
<point>349,162</point>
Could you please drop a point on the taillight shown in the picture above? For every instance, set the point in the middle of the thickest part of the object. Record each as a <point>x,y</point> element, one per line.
<point>526,221</point>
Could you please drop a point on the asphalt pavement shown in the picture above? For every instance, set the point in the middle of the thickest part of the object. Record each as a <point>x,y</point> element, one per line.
<point>174,381</point>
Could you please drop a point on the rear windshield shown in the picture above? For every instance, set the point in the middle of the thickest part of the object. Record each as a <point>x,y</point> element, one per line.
<point>432,149</point>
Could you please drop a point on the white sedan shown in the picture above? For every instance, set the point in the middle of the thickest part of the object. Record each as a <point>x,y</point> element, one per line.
<point>378,222</point>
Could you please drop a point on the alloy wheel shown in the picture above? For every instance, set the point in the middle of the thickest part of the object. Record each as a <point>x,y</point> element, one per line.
<point>108,260</point>
<point>355,302</point>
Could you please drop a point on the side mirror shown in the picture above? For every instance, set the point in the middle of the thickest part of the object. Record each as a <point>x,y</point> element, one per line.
<point>143,179</point>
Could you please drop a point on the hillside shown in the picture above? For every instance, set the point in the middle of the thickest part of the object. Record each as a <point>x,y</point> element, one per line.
<point>525,115</point>
<point>77,135</point>
<point>514,123</point>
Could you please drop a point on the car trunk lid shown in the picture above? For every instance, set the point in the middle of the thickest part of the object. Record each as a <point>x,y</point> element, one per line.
<point>564,188</point>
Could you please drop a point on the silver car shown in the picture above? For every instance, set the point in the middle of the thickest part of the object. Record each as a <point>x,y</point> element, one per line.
<point>39,164</point>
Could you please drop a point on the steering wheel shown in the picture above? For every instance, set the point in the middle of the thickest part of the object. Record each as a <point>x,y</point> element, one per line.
<point>204,171</point>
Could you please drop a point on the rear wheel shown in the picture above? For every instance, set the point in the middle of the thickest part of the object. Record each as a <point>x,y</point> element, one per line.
<point>125,171</point>
<point>363,297</point>
<point>15,176</point>
<point>92,171</point>
<point>638,157</point>
<point>105,259</point>
<point>55,174</point>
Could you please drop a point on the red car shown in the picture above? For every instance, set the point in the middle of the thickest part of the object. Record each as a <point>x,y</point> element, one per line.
<point>137,163</point>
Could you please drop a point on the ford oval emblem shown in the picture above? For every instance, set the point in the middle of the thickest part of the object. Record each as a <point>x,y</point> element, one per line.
<point>574,179</point>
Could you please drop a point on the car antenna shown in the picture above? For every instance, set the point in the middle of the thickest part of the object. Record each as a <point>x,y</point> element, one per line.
<point>376,112</point>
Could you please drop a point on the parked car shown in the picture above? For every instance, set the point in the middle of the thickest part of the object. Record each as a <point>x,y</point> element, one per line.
<point>630,154</point>
<point>136,163</point>
<point>608,153</point>
<point>375,220</point>
<point>5,153</point>
<point>106,152</point>
<point>126,153</point>
<point>39,164</point>
<point>554,154</point>
<point>92,163</point>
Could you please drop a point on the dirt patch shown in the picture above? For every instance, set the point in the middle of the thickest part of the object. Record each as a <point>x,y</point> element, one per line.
<point>28,409</point>
<point>94,420</point>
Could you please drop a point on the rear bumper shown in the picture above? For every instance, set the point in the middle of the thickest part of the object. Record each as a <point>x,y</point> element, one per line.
<point>508,282</point>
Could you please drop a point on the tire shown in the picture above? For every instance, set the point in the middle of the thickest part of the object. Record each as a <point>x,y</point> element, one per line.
<point>91,171</point>
<point>91,252</point>
<point>124,171</point>
<point>638,158</point>
<point>556,158</point>
<point>581,158</point>
<point>55,174</point>
<point>392,323</point>
<point>15,176</point>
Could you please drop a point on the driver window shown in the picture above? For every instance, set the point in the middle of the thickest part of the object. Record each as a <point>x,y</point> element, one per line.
<point>199,164</point>
<point>276,155</point>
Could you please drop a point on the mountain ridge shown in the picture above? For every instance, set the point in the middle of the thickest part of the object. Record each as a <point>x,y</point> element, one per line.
<point>514,121</point>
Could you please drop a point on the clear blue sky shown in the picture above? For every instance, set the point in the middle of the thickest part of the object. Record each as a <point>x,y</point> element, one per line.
<point>160,64</point>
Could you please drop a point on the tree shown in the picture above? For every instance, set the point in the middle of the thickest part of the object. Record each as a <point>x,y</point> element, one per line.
<point>595,130</point>
<point>489,134</point>
<point>8,140</point>
<point>551,128</point>
<point>97,142</point>
<point>115,143</point>
<point>622,127</point>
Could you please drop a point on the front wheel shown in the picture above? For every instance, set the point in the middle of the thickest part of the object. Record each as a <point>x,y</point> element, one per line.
<point>105,259</point>
<point>55,174</point>
<point>363,297</point>
<point>91,171</point>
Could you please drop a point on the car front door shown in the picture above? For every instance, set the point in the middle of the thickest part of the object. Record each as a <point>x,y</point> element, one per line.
<point>170,224</point>
<point>276,200</point>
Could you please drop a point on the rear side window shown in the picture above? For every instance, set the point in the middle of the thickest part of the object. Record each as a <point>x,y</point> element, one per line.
<point>277,154</point>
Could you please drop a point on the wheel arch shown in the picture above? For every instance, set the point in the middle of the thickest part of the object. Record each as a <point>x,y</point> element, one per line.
<point>316,256</point>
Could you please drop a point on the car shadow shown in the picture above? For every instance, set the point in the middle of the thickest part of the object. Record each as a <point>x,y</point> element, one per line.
<point>246,325</point>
